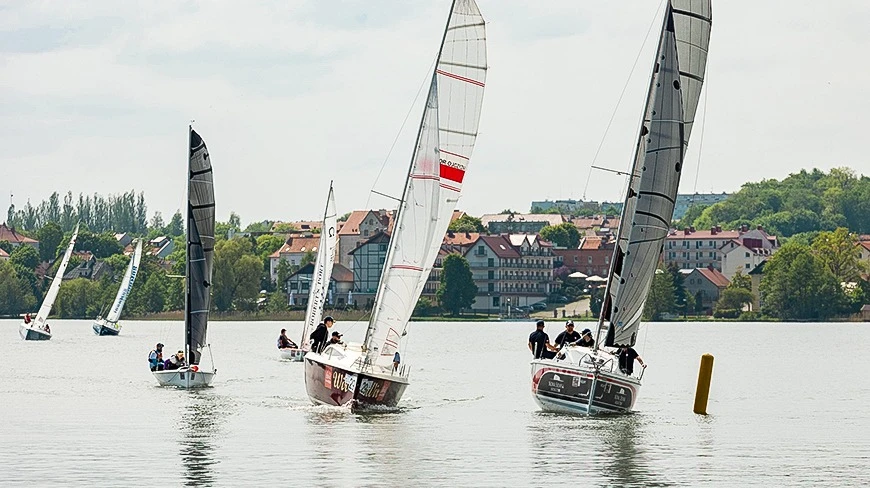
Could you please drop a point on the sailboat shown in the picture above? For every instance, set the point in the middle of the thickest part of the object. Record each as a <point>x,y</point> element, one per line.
<point>319,279</point>
<point>38,329</point>
<point>374,374</point>
<point>589,380</point>
<point>199,259</point>
<point>109,325</point>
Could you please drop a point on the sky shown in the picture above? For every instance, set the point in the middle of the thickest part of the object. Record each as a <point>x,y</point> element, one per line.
<point>96,96</point>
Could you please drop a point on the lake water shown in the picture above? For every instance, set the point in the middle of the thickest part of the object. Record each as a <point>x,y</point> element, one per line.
<point>786,409</point>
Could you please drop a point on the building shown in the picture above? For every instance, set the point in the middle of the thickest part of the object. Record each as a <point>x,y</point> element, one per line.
<point>10,235</point>
<point>685,201</point>
<point>705,284</point>
<point>4,256</point>
<point>359,227</point>
<point>454,242</point>
<point>294,249</point>
<point>565,206</point>
<point>690,248</point>
<point>738,257</point>
<point>368,264</point>
<point>510,270</point>
<point>161,247</point>
<point>89,268</point>
<point>592,256</point>
<point>596,225</point>
<point>514,223</point>
<point>864,253</point>
<point>124,239</point>
<point>865,313</point>
<point>755,276</point>
<point>340,283</point>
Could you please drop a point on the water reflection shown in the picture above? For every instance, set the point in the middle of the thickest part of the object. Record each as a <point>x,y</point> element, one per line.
<point>200,423</point>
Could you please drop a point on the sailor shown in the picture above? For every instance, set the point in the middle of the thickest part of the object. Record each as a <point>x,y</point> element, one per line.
<point>27,318</point>
<point>627,355</point>
<point>284,342</point>
<point>335,339</point>
<point>397,359</point>
<point>539,343</point>
<point>586,339</point>
<point>46,328</point>
<point>175,361</point>
<point>567,336</point>
<point>155,358</point>
<point>318,337</point>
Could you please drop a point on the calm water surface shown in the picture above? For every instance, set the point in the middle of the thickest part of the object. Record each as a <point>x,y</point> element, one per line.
<point>82,409</point>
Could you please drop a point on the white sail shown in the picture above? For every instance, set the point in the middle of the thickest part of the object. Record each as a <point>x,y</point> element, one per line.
<point>649,203</point>
<point>448,131</point>
<point>322,269</point>
<point>53,289</point>
<point>126,285</point>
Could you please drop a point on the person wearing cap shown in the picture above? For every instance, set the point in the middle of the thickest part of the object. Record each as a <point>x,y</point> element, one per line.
<point>318,337</point>
<point>627,355</point>
<point>284,342</point>
<point>335,339</point>
<point>567,336</point>
<point>586,339</point>
<point>539,343</point>
<point>176,361</point>
<point>155,358</point>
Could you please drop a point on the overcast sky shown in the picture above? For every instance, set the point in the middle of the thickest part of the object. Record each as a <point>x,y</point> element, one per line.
<point>95,96</point>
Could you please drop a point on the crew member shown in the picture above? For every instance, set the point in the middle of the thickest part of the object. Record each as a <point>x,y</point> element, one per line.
<point>539,343</point>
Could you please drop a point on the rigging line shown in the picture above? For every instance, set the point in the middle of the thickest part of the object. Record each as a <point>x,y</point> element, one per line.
<point>622,94</point>
<point>401,128</point>
<point>701,140</point>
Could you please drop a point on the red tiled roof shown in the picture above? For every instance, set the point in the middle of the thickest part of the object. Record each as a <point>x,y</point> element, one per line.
<point>705,234</point>
<point>3,254</point>
<point>9,234</point>
<point>297,245</point>
<point>500,245</point>
<point>864,244</point>
<point>459,238</point>
<point>340,273</point>
<point>591,243</point>
<point>351,225</point>
<point>588,222</point>
<point>714,276</point>
<point>457,214</point>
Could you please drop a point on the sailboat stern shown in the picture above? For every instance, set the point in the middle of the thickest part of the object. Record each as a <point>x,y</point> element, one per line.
<point>32,334</point>
<point>562,387</point>
<point>338,381</point>
<point>193,377</point>
<point>103,328</point>
<point>292,354</point>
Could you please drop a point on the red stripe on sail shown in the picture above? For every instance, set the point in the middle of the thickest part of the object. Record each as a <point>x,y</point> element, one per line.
<point>460,78</point>
<point>407,266</point>
<point>453,154</point>
<point>451,173</point>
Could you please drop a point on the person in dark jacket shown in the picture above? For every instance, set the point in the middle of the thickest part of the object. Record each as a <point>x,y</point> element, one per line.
<point>627,355</point>
<point>284,342</point>
<point>320,334</point>
<point>539,343</point>
<point>567,336</point>
<point>586,339</point>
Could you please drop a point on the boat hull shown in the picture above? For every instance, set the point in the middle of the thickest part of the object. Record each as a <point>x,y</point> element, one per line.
<point>332,385</point>
<point>101,329</point>
<point>564,388</point>
<point>31,334</point>
<point>184,378</point>
<point>291,354</point>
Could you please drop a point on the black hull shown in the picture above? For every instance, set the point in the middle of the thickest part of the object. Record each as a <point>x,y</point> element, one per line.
<point>331,385</point>
<point>569,390</point>
<point>102,330</point>
<point>36,335</point>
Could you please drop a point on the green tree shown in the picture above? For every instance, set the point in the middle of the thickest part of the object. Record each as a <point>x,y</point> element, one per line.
<point>264,226</point>
<point>564,235</point>
<point>740,280</point>
<point>175,227</point>
<point>276,302</point>
<point>344,217</point>
<point>466,223</point>
<point>267,244</point>
<point>15,295</point>
<point>457,289</point>
<point>78,299</point>
<point>425,308</point>
<point>49,236</point>
<point>285,228</point>
<point>154,293</point>
<point>837,251</point>
<point>661,296</point>
<point>100,245</point>
<point>236,277</point>
<point>283,271</point>
<point>798,286</point>
<point>25,256</point>
<point>732,301</point>
<point>692,214</point>
<point>6,246</point>
<point>308,257</point>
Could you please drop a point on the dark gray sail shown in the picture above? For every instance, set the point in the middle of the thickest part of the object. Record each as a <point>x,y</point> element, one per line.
<point>200,246</point>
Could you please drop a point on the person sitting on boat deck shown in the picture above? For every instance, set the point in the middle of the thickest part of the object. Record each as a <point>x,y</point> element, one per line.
<point>539,343</point>
<point>176,361</point>
<point>397,359</point>
<point>586,339</point>
<point>46,328</point>
<point>627,355</point>
<point>567,336</point>
<point>335,339</point>
<point>318,337</point>
<point>284,342</point>
<point>27,318</point>
<point>155,358</point>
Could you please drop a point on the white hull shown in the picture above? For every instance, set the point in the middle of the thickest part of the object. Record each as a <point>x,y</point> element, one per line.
<point>185,378</point>
<point>33,334</point>
<point>585,382</point>
<point>101,327</point>
<point>291,354</point>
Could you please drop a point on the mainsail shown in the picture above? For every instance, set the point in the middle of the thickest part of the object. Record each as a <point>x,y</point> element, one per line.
<point>322,269</point>
<point>51,294</point>
<point>126,285</point>
<point>445,140</point>
<point>655,176</point>
<point>200,246</point>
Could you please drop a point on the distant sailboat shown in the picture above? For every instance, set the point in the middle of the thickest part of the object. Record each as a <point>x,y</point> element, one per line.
<point>38,329</point>
<point>199,257</point>
<point>375,373</point>
<point>110,325</point>
<point>590,380</point>
<point>319,279</point>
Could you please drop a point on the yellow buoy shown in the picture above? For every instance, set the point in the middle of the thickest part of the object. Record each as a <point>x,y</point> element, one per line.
<point>702,392</point>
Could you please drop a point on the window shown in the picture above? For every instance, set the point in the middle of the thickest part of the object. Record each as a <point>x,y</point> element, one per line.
<point>589,259</point>
<point>495,302</point>
<point>294,285</point>
<point>746,265</point>
<point>576,260</point>
<point>491,274</point>
<point>481,250</point>
<point>366,233</point>
<point>305,286</point>
<point>747,255</point>
<point>491,287</point>
<point>606,259</point>
<point>490,262</point>
<point>697,244</point>
<point>712,244</point>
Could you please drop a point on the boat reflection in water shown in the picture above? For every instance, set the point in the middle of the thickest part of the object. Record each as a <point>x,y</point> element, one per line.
<point>201,419</point>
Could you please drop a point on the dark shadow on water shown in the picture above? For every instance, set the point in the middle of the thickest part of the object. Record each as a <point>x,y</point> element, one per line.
<point>199,425</point>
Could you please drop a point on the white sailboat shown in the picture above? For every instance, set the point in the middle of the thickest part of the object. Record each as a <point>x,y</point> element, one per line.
<point>109,325</point>
<point>199,260</point>
<point>590,380</point>
<point>374,373</point>
<point>38,328</point>
<point>317,294</point>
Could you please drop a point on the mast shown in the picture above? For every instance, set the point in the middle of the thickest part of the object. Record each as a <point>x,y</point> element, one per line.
<point>187,250</point>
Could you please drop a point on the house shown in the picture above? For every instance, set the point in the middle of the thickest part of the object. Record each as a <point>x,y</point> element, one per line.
<point>360,226</point>
<point>755,276</point>
<point>690,248</point>
<point>89,268</point>
<point>124,239</point>
<point>340,283</point>
<point>736,256</point>
<point>596,225</point>
<point>161,247</point>
<point>592,256</point>
<point>4,256</point>
<point>293,250</point>
<point>863,248</point>
<point>705,284</point>
<point>299,225</point>
<point>519,223</point>
<point>368,263</point>
<point>9,234</point>
<point>865,313</point>
<point>453,242</point>
<point>510,270</point>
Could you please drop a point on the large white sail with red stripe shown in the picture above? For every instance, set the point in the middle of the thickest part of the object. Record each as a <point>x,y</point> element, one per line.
<point>441,155</point>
